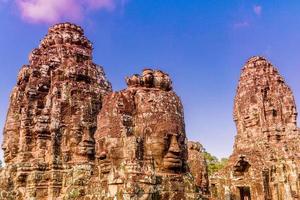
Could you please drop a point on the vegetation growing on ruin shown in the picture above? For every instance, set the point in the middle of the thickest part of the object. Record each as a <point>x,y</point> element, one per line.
<point>213,163</point>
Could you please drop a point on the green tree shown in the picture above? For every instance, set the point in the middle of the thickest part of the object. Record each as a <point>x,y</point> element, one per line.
<point>213,163</point>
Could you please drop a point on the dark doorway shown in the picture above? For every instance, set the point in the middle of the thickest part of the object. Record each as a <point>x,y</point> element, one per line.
<point>245,193</point>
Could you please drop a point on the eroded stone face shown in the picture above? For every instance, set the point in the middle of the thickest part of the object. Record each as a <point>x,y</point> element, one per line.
<point>114,123</point>
<point>86,145</point>
<point>165,140</point>
<point>10,147</point>
<point>160,122</point>
<point>198,166</point>
<point>141,139</point>
<point>158,118</point>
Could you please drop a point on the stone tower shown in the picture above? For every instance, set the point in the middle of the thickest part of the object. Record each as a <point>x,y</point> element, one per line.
<point>52,114</point>
<point>141,145</point>
<point>265,160</point>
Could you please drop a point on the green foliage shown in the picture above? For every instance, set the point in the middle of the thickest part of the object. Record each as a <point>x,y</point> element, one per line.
<point>213,163</point>
<point>74,194</point>
<point>0,163</point>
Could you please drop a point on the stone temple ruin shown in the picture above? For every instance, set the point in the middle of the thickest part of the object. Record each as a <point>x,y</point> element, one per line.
<point>265,162</point>
<point>68,136</point>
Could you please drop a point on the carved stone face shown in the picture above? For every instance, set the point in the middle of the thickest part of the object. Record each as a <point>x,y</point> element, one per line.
<point>166,146</point>
<point>147,77</point>
<point>23,75</point>
<point>293,118</point>
<point>110,152</point>
<point>34,56</point>
<point>241,166</point>
<point>9,147</point>
<point>102,155</point>
<point>173,159</point>
<point>197,165</point>
<point>87,144</point>
<point>160,123</point>
<point>133,81</point>
<point>113,124</point>
<point>290,114</point>
<point>251,116</point>
<point>80,141</point>
<point>272,112</point>
<point>158,78</point>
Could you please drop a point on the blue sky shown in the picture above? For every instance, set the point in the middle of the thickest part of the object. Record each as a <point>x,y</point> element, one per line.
<point>201,44</point>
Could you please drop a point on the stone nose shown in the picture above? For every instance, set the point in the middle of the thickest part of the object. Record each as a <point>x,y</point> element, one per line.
<point>174,146</point>
<point>87,137</point>
<point>4,146</point>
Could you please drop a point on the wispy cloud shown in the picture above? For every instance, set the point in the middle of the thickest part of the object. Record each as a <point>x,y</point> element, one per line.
<point>51,11</point>
<point>241,24</point>
<point>96,4</point>
<point>257,9</point>
<point>4,2</point>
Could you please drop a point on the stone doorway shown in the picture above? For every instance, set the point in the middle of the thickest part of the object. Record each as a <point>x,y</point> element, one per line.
<point>245,193</point>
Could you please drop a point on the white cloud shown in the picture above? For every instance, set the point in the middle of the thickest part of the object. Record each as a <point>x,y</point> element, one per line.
<point>51,11</point>
<point>241,24</point>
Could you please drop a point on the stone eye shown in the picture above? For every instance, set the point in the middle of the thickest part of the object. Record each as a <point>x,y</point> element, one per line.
<point>167,140</point>
<point>166,137</point>
<point>181,140</point>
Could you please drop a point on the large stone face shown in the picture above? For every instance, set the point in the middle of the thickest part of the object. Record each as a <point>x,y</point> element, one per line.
<point>265,159</point>
<point>68,136</point>
<point>198,166</point>
<point>141,144</point>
